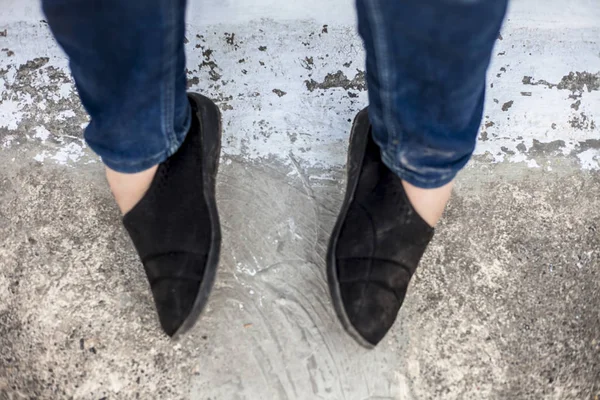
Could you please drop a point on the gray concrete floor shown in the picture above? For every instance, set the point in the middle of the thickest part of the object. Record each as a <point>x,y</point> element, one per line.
<point>505,304</point>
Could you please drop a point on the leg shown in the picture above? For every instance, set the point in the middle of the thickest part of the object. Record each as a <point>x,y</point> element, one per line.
<point>128,62</point>
<point>426,66</point>
<point>159,146</point>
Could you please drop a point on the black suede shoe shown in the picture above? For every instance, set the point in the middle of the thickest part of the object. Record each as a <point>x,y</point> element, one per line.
<point>376,244</point>
<point>175,227</point>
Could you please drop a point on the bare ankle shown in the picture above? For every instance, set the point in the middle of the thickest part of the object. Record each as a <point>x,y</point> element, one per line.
<point>429,203</point>
<point>128,189</point>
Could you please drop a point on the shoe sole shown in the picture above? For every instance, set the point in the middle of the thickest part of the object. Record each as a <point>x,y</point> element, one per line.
<point>209,116</point>
<point>356,154</point>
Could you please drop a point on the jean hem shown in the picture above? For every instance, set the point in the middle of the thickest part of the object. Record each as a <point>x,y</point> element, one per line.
<point>134,166</point>
<point>414,178</point>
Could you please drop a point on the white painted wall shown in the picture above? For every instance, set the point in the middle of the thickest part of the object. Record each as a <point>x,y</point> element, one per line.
<point>237,11</point>
<point>545,39</point>
<point>554,14</point>
<point>212,12</point>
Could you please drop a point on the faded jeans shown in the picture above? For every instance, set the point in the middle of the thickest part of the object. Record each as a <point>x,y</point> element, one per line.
<point>426,66</point>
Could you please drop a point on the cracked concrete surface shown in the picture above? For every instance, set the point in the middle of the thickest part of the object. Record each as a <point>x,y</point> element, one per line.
<point>505,304</point>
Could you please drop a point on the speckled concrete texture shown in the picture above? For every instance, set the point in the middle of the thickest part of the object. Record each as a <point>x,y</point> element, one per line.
<point>505,304</point>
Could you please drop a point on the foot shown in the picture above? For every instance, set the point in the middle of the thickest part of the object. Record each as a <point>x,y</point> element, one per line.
<point>174,226</point>
<point>377,242</point>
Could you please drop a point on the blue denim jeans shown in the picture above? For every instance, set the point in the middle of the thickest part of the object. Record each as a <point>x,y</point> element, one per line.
<point>426,66</point>
<point>128,62</point>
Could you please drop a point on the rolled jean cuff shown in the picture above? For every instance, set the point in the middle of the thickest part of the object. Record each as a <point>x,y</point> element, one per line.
<point>130,166</point>
<point>417,178</point>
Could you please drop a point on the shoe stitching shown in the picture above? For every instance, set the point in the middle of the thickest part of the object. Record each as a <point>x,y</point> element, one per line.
<point>362,298</point>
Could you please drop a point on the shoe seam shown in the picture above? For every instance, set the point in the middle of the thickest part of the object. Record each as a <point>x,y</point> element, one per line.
<point>396,263</point>
<point>362,297</point>
<point>169,253</point>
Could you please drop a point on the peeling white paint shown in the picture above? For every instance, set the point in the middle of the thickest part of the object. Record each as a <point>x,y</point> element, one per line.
<point>63,115</point>
<point>41,133</point>
<point>271,54</point>
<point>10,114</point>
<point>7,141</point>
<point>71,152</point>
<point>66,155</point>
<point>589,159</point>
<point>40,157</point>
<point>65,91</point>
